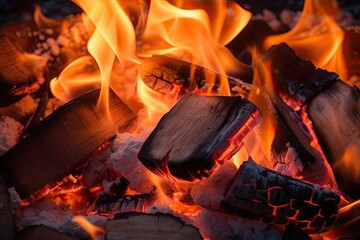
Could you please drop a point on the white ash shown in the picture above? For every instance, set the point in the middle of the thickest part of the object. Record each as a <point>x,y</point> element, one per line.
<point>216,225</point>
<point>21,109</point>
<point>46,212</point>
<point>210,192</point>
<point>120,159</point>
<point>10,131</point>
<point>291,164</point>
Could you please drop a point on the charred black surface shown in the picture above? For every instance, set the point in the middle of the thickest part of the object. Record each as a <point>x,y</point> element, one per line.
<point>260,193</point>
<point>198,133</point>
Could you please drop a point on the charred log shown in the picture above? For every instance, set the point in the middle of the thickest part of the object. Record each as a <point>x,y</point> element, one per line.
<point>107,205</point>
<point>263,194</point>
<point>164,73</point>
<point>40,232</point>
<point>351,49</point>
<point>335,114</point>
<point>149,226</point>
<point>7,219</point>
<point>296,83</point>
<point>62,141</point>
<point>19,73</point>
<point>212,131</point>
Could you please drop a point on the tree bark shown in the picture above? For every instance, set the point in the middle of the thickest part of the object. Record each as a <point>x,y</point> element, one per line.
<point>40,232</point>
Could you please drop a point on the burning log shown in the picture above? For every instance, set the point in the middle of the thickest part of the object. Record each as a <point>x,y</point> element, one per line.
<point>335,114</point>
<point>351,49</point>
<point>107,205</point>
<point>40,232</point>
<point>7,220</point>
<point>19,73</point>
<point>164,73</point>
<point>149,226</point>
<point>62,141</point>
<point>260,193</point>
<point>213,130</point>
<point>331,105</point>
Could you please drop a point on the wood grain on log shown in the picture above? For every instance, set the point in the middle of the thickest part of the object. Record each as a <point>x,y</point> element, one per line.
<point>197,134</point>
<point>335,114</point>
<point>107,205</point>
<point>260,193</point>
<point>141,226</point>
<point>18,72</point>
<point>7,219</point>
<point>62,141</point>
<point>40,232</point>
<point>163,73</point>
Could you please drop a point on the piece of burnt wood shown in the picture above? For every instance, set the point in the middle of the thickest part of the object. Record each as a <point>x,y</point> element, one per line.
<point>164,73</point>
<point>107,205</point>
<point>19,73</point>
<point>335,114</point>
<point>295,83</point>
<point>61,142</point>
<point>7,219</point>
<point>141,226</point>
<point>197,134</point>
<point>295,80</point>
<point>41,232</point>
<point>351,49</point>
<point>260,193</point>
<point>292,232</point>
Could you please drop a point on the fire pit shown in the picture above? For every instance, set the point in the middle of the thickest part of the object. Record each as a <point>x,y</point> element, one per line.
<point>180,119</point>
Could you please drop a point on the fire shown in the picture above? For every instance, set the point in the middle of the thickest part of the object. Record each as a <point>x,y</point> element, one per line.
<point>317,36</point>
<point>92,229</point>
<point>193,30</point>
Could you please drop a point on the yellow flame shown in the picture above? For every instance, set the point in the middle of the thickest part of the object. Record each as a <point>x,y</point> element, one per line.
<point>317,36</point>
<point>90,228</point>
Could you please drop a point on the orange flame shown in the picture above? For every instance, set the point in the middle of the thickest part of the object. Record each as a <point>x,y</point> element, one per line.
<point>198,30</point>
<point>90,228</point>
<point>317,36</point>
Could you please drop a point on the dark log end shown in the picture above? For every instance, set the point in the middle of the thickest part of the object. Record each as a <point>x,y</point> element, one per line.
<point>198,133</point>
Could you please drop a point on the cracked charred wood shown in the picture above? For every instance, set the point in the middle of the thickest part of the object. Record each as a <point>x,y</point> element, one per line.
<point>7,219</point>
<point>19,72</point>
<point>149,226</point>
<point>266,195</point>
<point>61,143</point>
<point>296,83</point>
<point>213,129</point>
<point>41,232</point>
<point>331,106</point>
<point>296,80</point>
<point>351,49</point>
<point>164,73</point>
<point>107,205</point>
<point>335,115</point>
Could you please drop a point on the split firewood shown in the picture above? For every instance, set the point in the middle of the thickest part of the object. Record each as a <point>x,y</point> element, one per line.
<point>62,142</point>
<point>20,73</point>
<point>197,134</point>
<point>266,195</point>
<point>7,219</point>
<point>141,226</point>
<point>351,49</point>
<point>331,105</point>
<point>107,205</point>
<point>335,114</point>
<point>41,232</point>
<point>164,73</point>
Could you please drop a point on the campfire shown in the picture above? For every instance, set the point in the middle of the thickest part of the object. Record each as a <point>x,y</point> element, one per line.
<point>174,119</point>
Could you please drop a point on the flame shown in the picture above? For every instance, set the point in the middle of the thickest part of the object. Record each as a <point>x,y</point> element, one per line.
<point>90,228</point>
<point>194,30</point>
<point>317,36</point>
